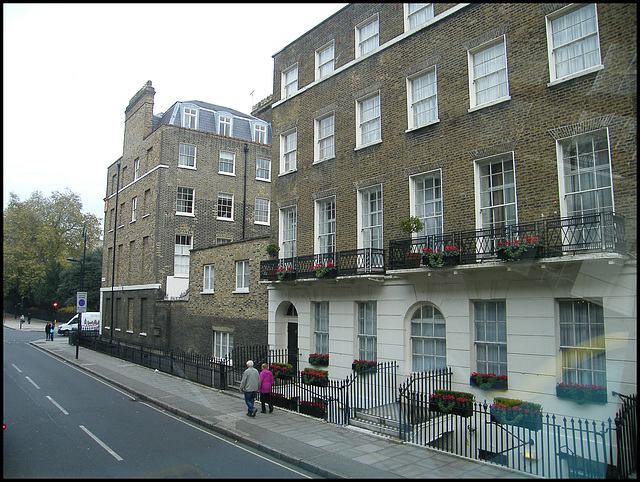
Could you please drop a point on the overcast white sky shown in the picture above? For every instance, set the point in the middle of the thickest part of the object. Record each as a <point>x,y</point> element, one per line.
<point>71,69</point>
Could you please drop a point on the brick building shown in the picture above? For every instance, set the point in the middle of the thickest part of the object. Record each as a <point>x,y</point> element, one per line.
<point>492,123</point>
<point>195,177</point>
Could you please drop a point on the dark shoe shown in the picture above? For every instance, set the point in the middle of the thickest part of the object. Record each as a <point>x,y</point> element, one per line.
<point>255,410</point>
<point>270,409</point>
<point>263,411</point>
<point>249,415</point>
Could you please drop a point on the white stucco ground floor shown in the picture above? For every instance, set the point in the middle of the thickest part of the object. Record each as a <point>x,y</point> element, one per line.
<point>540,323</point>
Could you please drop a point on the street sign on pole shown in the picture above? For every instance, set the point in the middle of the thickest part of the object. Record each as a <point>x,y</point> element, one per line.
<point>81,302</point>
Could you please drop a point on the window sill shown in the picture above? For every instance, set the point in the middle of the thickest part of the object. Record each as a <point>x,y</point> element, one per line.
<point>146,216</point>
<point>143,334</point>
<point>379,141</point>
<point>231,174</point>
<point>259,223</point>
<point>412,129</point>
<point>129,331</point>
<point>575,75</point>
<point>206,292</point>
<point>224,219</point>
<point>262,179</point>
<point>132,221</point>
<point>320,161</point>
<point>489,104</point>
<point>189,215</point>
<point>121,226</point>
<point>239,292</point>
<point>117,329</point>
<point>288,172</point>
<point>193,168</point>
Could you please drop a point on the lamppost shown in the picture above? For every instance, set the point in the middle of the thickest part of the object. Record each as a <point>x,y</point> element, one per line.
<point>84,257</point>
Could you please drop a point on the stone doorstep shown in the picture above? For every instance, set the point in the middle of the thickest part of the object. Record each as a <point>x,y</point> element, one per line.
<point>374,423</point>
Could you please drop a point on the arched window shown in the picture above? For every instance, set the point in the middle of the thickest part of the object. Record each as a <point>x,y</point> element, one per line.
<point>428,339</point>
<point>291,310</point>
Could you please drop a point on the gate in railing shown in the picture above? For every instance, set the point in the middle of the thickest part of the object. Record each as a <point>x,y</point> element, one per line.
<point>627,436</point>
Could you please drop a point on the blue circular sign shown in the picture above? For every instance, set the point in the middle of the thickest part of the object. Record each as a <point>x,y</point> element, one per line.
<point>81,302</point>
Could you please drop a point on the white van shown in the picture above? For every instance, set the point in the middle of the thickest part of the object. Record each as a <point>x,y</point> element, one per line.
<point>91,320</point>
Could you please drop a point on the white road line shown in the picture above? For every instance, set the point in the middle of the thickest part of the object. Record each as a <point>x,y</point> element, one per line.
<point>33,383</point>
<point>57,405</point>
<point>101,443</point>
<point>19,371</point>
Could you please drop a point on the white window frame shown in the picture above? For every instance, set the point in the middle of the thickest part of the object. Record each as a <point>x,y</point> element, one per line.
<point>185,201</point>
<point>134,207</point>
<point>411,102</point>
<point>180,254</point>
<point>230,160</point>
<point>552,52</point>
<point>184,155</point>
<point>325,63</point>
<point>325,226</point>
<point>208,285</point>
<point>242,276</point>
<point>373,118</point>
<point>474,82</point>
<point>225,125</point>
<point>321,327</point>
<point>289,82</point>
<point>564,172</point>
<point>374,37</point>
<point>428,337</point>
<point>483,345</point>
<point>421,9</point>
<point>367,335</point>
<point>226,196</point>
<point>288,151</point>
<point>136,169</point>
<point>428,209</point>
<point>493,188</point>
<point>190,118</point>
<point>260,133</point>
<point>266,208</point>
<point>267,169</point>
<point>288,227</point>
<point>370,223</point>
<point>222,345</point>
<point>323,138</point>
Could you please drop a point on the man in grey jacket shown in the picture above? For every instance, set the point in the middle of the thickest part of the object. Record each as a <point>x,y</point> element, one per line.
<point>250,385</point>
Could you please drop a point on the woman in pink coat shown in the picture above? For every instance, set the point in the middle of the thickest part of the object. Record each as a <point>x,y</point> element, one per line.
<point>266,382</point>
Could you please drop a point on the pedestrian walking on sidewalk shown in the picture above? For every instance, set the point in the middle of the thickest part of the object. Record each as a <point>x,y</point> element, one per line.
<point>29,317</point>
<point>47,331</point>
<point>266,382</point>
<point>52,329</point>
<point>249,385</point>
<point>21,321</point>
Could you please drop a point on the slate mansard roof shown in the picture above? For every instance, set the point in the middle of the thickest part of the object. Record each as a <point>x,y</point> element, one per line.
<point>243,125</point>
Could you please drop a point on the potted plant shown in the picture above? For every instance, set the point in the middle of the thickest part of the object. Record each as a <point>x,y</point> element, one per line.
<point>283,371</point>
<point>511,411</point>
<point>314,409</point>
<point>449,256</point>
<point>311,376</point>
<point>318,359</point>
<point>582,393</point>
<point>359,366</point>
<point>410,225</point>
<point>515,250</point>
<point>449,401</point>
<point>488,381</point>
<point>273,249</point>
<point>325,270</point>
<point>286,273</point>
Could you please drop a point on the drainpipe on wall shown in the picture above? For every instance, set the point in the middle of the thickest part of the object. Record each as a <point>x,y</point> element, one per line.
<point>244,201</point>
<point>115,230</point>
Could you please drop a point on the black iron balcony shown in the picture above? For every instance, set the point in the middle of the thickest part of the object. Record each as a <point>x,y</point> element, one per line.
<point>354,262</point>
<point>602,232</point>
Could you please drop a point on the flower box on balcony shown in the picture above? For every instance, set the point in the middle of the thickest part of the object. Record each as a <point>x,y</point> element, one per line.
<point>530,248</point>
<point>318,378</point>
<point>312,408</point>
<point>488,381</point>
<point>449,256</point>
<point>363,366</point>
<point>285,274</point>
<point>325,270</point>
<point>318,359</point>
<point>455,403</point>
<point>582,393</point>
<point>510,411</point>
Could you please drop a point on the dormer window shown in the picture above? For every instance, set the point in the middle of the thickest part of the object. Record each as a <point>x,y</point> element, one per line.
<point>189,118</point>
<point>224,126</point>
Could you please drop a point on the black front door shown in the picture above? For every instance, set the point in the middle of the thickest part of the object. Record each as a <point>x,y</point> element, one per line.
<point>292,345</point>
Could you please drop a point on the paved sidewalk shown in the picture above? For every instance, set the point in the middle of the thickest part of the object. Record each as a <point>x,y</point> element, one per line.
<point>322,448</point>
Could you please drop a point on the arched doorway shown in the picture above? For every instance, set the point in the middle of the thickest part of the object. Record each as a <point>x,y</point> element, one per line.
<point>291,319</point>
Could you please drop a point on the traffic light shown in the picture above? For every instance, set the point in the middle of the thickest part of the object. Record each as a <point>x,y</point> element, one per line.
<point>55,306</point>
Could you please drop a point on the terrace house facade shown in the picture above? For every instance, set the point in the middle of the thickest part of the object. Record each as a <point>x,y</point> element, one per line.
<point>491,123</point>
<point>195,177</point>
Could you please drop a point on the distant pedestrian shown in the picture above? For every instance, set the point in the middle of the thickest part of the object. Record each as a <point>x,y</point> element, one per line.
<point>21,320</point>
<point>266,382</point>
<point>47,331</point>
<point>250,385</point>
<point>52,329</point>
<point>29,317</point>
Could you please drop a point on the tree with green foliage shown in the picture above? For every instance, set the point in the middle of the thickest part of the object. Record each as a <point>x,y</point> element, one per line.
<point>39,234</point>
